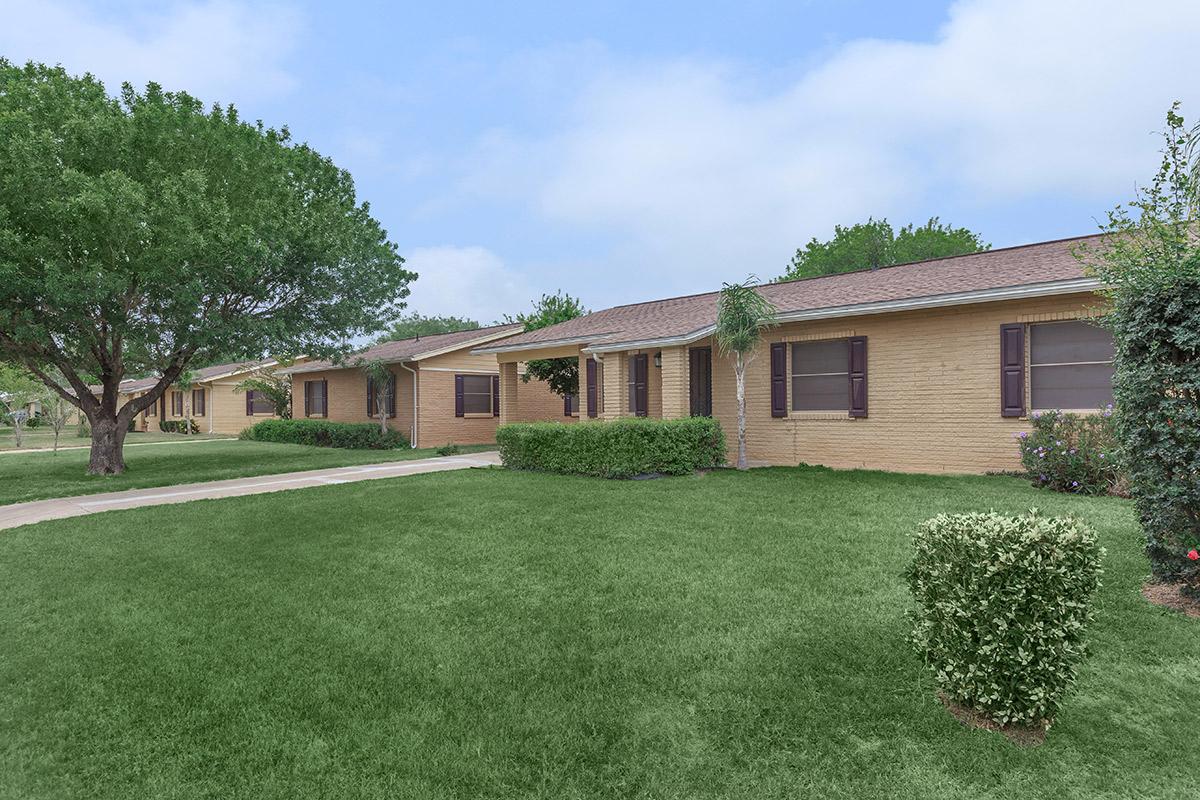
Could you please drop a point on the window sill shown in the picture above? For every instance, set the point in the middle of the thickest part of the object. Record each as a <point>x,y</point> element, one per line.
<point>488,415</point>
<point>818,415</point>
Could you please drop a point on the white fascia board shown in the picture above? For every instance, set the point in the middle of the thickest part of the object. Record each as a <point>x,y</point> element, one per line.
<point>514,348</point>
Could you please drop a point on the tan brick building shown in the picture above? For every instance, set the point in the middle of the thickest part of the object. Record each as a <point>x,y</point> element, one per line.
<point>926,367</point>
<point>212,401</point>
<point>441,392</point>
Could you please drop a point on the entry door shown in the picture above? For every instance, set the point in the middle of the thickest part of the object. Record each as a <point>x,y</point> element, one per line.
<point>700,384</point>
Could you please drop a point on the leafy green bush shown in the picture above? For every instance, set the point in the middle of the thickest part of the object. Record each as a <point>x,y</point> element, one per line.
<point>1001,607</point>
<point>178,426</point>
<point>1150,264</point>
<point>1071,452</point>
<point>620,448</point>
<point>449,449</point>
<point>323,433</point>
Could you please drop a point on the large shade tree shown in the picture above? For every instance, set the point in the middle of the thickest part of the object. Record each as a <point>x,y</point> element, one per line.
<point>143,233</point>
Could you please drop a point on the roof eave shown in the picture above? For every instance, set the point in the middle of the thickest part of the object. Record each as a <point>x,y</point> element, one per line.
<point>516,348</point>
<point>1018,292</point>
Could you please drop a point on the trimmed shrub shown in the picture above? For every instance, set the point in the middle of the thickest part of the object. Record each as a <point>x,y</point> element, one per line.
<point>620,448</point>
<point>1071,452</point>
<point>1001,607</point>
<point>178,426</point>
<point>449,449</point>
<point>323,433</point>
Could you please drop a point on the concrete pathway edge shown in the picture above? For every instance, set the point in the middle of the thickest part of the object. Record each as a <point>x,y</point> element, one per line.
<point>17,514</point>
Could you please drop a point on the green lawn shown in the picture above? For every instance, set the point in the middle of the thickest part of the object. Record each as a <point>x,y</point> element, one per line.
<point>496,634</point>
<point>43,437</point>
<point>36,476</point>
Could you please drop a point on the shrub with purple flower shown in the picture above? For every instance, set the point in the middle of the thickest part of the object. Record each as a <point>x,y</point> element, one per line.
<point>1071,452</point>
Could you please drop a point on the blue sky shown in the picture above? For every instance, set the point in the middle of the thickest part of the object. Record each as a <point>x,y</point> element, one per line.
<point>624,153</point>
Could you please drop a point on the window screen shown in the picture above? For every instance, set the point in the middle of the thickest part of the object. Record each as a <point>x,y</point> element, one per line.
<point>1070,366</point>
<point>477,394</point>
<point>315,395</point>
<point>198,402</point>
<point>821,376</point>
<point>177,404</point>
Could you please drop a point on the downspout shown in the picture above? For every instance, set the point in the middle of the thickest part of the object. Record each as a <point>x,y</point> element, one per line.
<point>413,440</point>
<point>208,402</point>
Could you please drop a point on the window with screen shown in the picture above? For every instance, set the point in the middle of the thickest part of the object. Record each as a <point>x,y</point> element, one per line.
<point>820,375</point>
<point>198,402</point>
<point>316,398</point>
<point>177,404</point>
<point>1070,366</point>
<point>477,394</point>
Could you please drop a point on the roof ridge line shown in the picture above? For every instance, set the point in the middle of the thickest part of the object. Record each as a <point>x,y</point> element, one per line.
<point>866,269</point>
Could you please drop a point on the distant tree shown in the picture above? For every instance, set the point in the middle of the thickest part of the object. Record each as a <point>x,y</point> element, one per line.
<point>742,313</point>
<point>145,233</point>
<point>57,412</point>
<point>561,374</point>
<point>873,244</point>
<point>414,325</point>
<point>18,389</point>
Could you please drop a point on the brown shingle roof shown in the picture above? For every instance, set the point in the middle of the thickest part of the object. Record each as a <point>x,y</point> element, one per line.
<point>416,348</point>
<point>1024,265</point>
<point>201,375</point>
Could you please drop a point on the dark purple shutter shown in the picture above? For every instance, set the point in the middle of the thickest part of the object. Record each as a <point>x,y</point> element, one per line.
<point>591,388</point>
<point>307,398</point>
<point>566,405</point>
<point>458,396</point>
<point>325,398</point>
<point>250,403</point>
<point>641,388</point>
<point>370,397</point>
<point>778,379</point>
<point>1012,370</point>
<point>495,395</point>
<point>391,400</point>
<point>858,376</point>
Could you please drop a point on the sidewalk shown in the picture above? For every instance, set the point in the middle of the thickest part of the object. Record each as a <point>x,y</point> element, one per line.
<point>57,508</point>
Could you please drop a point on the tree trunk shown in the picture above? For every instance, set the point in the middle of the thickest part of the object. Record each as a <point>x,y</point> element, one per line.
<point>108,447</point>
<point>739,370</point>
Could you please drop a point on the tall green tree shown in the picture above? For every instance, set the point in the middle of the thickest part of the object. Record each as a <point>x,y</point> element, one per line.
<point>144,233</point>
<point>742,314</point>
<point>874,243</point>
<point>561,374</point>
<point>1150,265</point>
<point>413,325</point>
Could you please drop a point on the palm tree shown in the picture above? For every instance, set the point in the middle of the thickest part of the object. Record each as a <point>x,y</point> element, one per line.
<point>742,313</point>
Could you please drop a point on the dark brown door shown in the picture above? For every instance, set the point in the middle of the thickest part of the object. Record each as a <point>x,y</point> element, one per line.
<point>700,383</point>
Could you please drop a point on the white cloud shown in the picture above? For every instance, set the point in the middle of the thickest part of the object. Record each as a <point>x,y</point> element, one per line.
<point>214,50</point>
<point>704,175</point>
<point>465,282</point>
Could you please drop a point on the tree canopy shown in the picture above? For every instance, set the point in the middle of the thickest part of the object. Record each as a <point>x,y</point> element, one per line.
<point>412,325</point>
<point>142,233</point>
<point>561,374</point>
<point>874,243</point>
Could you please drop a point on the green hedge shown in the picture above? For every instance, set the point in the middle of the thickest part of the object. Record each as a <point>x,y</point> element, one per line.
<point>322,433</point>
<point>1001,607</point>
<point>175,425</point>
<point>619,448</point>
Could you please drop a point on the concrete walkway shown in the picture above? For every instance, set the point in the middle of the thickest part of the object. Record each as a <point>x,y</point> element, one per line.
<point>57,508</point>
